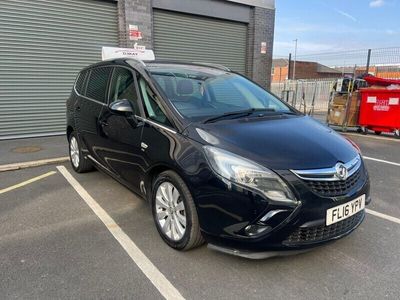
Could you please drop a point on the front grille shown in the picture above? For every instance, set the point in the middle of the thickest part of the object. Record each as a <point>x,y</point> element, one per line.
<point>307,235</point>
<point>334,188</point>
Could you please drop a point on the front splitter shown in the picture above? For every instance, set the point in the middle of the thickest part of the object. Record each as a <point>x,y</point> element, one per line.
<point>256,255</point>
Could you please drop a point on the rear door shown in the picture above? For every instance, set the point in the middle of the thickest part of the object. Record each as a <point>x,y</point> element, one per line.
<point>89,107</point>
<point>121,132</point>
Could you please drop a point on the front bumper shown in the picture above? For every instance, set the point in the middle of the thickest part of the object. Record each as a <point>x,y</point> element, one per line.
<point>300,247</point>
<point>226,213</point>
<point>255,255</point>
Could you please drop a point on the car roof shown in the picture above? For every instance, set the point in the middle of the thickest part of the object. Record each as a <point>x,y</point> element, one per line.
<point>118,61</point>
<point>163,64</point>
<point>187,64</point>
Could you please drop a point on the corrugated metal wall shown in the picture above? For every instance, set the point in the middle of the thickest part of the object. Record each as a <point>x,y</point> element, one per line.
<point>43,44</point>
<point>200,39</point>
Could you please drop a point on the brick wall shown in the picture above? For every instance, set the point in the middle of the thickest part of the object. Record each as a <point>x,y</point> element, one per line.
<point>250,47</point>
<point>304,70</point>
<point>280,74</point>
<point>135,12</point>
<point>261,29</point>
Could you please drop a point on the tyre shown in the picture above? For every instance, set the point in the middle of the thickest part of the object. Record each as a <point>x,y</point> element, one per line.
<point>364,130</point>
<point>79,163</point>
<point>174,212</point>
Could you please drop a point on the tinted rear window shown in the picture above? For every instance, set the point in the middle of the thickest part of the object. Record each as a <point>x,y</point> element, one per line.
<point>97,85</point>
<point>79,84</point>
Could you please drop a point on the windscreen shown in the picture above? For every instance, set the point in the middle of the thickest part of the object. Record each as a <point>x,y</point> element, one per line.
<point>199,95</point>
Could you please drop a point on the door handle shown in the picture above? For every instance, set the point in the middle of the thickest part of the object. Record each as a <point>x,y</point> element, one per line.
<point>78,108</point>
<point>103,123</point>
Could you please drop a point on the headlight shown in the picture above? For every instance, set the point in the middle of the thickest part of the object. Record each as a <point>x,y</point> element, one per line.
<point>249,174</point>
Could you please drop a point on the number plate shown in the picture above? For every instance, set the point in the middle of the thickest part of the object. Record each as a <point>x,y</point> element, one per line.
<point>344,211</point>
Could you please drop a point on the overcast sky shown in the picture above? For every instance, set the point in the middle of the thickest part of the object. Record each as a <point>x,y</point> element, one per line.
<point>336,25</point>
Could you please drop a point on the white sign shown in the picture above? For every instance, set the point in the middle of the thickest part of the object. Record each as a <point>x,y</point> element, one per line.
<point>263,47</point>
<point>134,33</point>
<point>139,47</point>
<point>139,52</point>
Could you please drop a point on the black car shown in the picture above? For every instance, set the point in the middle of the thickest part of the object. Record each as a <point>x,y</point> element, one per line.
<point>219,158</point>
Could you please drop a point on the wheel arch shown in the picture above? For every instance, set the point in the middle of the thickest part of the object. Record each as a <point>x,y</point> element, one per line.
<point>152,173</point>
<point>70,129</point>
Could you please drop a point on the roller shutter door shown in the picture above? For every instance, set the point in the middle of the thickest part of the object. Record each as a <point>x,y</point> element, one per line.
<point>43,44</point>
<point>200,39</point>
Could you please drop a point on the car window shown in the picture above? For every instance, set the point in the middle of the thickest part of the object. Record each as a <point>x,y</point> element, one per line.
<point>153,110</point>
<point>123,87</point>
<point>199,94</point>
<point>97,85</point>
<point>80,81</point>
<point>225,92</point>
<point>179,88</point>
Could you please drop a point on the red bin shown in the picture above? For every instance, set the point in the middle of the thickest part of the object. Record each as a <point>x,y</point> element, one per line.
<point>380,110</point>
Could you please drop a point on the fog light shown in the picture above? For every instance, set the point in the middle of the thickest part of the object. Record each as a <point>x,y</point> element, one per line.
<point>252,230</point>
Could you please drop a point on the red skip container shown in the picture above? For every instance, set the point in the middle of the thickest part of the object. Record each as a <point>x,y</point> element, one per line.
<point>380,110</point>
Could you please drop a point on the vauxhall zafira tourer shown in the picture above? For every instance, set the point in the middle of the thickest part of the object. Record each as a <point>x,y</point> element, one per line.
<point>218,158</point>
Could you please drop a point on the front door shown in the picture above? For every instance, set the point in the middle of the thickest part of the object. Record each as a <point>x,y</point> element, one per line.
<point>121,132</point>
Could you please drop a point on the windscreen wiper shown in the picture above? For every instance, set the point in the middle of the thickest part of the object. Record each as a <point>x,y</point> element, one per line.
<point>239,113</point>
<point>288,112</point>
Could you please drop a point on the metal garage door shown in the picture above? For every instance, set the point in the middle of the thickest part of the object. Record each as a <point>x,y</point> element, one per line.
<point>201,39</point>
<point>43,44</point>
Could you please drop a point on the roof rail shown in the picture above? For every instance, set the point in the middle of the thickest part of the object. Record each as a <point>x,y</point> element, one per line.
<point>182,62</point>
<point>138,61</point>
<point>217,66</point>
<point>126,59</point>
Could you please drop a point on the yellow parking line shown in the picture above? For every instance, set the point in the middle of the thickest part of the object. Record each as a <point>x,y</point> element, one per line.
<point>27,182</point>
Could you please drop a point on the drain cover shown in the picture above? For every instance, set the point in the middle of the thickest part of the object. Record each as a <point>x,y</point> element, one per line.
<point>27,149</point>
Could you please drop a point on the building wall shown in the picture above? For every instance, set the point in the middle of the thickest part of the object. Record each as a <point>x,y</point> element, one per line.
<point>304,70</point>
<point>387,74</point>
<point>279,74</point>
<point>260,20</point>
<point>261,30</point>
<point>135,12</point>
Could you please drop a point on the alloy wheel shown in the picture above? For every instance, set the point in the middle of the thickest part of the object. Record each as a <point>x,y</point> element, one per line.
<point>170,210</point>
<point>74,151</point>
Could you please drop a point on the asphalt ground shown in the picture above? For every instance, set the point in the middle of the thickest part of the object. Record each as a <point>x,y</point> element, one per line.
<point>53,245</point>
<point>31,149</point>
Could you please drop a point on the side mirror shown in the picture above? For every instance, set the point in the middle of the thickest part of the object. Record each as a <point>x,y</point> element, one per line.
<point>121,106</point>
